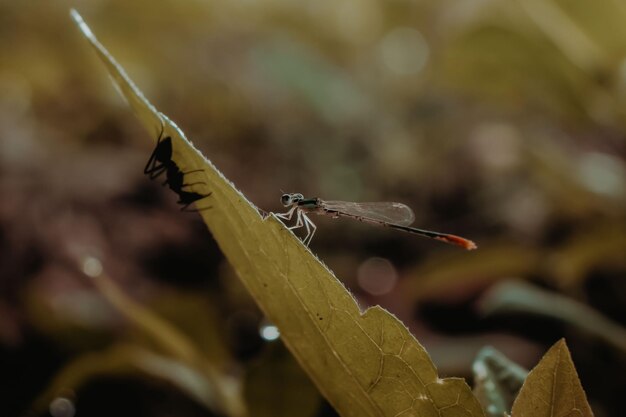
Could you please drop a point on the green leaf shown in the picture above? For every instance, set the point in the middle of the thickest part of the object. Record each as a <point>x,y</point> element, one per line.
<point>443,273</point>
<point>604,244</point>
<point>124,360</point>
<point>497,380</point>
<point>552,388</point>
<point>225,391</point>
<point>198,316</point>
<point>365,364</point>
<point>521,297</point>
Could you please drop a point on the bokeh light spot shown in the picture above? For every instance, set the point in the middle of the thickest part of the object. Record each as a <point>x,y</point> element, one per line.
<point>498,146</point>
<point>62,407</point>
<point>603,174</point>
<point>404,51</point>
<point>377,276</point>
<point>269,332</point>
<point>92,266</point>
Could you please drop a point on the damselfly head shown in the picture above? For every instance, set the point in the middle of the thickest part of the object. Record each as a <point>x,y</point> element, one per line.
<point>290,199</point>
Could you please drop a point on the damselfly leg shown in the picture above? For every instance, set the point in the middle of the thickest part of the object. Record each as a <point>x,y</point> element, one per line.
<point>310,229</point>
<point>302,220</point>
<point>287,215</point>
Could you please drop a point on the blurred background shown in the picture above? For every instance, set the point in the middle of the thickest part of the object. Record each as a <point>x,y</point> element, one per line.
<point>501,121</point>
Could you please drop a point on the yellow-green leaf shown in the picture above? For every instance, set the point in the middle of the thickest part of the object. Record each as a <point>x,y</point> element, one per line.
<point>552,388</point>
<point>365,364</point>
<point>436,276</point>
<point>497,380</point>
<point>521,297</point>
<point>127,360</point>
<point>277,387</point>
<point>225,391</point>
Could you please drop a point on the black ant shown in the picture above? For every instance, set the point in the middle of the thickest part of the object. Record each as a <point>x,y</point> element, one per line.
<point>161,161</point>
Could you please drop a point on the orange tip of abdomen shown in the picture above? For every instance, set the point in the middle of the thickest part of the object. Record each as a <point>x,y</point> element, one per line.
<point>458,241</point>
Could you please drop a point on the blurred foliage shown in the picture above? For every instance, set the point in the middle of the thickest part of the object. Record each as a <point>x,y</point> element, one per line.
<point>518,297</point>
<point>500,121</point>
<point>497,381</point>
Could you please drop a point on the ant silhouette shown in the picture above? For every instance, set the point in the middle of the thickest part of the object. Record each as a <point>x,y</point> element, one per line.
<point>161,162</point>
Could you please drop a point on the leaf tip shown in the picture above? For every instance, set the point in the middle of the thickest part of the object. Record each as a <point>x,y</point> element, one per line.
<point>75,15</point>
<point>553,385</point>
<point>561,344</point>
<point>78,19</point>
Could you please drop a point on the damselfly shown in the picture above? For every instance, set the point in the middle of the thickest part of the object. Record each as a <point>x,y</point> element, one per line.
<point>394,215</point>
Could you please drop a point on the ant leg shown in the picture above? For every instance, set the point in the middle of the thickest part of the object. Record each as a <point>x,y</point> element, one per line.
<point>152,169</point>
<point>190,210</point>
<point>188,203</point>
<point>151,166</point>
<point>167,181</point>
<point>185,173</point>
<point>194,183</point>
<point>156,171</point>
<point>162,129</point>
<point>195,170</point>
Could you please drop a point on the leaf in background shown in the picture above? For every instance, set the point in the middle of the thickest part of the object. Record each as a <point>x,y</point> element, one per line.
<point>497,380</point>
<point>603,245</point>
<point>198,316</point>
<point>552,388</point>
<point>127,360</point>
<point>546,56</point>
<point>365,364</point>
<point>311,78</point>
<point>225,395</point>
<point>566,34</point>
<point>520,297</point>
<point>439,274</point>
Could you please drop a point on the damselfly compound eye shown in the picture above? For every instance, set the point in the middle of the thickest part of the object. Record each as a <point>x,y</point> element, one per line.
<point>286,200</point>
<point>297,197</point>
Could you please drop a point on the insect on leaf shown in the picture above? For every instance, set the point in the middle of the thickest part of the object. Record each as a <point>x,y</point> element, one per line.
<point>364,363</point>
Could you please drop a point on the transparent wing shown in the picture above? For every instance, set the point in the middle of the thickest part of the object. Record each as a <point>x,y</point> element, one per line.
<point>395,213</point>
